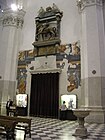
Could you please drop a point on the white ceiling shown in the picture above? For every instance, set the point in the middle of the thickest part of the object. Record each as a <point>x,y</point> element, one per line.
<point>3,4</point>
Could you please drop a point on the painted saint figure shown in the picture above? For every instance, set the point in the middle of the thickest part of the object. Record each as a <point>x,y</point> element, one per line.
<point>70,104</point>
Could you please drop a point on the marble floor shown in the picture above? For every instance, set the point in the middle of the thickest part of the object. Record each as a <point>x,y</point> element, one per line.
<point>53,129</point>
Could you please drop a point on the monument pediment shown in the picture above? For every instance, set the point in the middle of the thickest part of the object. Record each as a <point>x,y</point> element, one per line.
<point>48,12</point>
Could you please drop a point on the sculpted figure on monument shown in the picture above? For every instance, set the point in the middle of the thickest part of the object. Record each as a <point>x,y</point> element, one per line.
<point>45,32</point>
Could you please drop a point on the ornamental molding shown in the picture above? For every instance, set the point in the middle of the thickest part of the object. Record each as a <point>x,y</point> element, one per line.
<point>48,70</point>
<point>44,69</point>
<point>11,18</point>
<point>87,3</point>
<point>12,21</point>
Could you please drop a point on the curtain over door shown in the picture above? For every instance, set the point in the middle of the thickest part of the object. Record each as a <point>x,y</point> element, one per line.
<point>44,98</point>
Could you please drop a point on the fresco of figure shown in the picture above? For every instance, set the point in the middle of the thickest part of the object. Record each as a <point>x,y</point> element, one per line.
<point>22,83</point>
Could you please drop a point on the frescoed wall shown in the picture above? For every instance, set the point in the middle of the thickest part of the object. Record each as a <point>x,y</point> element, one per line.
<point>24,58</point>
<point>69,52</point>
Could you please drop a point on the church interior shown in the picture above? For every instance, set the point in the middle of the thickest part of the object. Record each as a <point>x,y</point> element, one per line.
<point>52,69</point>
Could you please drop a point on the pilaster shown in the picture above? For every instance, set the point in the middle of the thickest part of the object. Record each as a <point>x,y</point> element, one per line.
<point>93,59</point>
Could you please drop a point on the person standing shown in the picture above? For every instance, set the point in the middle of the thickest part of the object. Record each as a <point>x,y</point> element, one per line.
<point>63,109</point>
<point>8,104</point>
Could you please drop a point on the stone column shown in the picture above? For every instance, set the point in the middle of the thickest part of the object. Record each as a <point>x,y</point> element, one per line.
<point>104,12</point>
<point>93,59</point>
<point>12,23</point>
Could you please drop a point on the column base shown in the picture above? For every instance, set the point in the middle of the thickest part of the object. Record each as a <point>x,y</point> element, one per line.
<point>7,90</point>
<point>93,98</point>
<point>97,115</point>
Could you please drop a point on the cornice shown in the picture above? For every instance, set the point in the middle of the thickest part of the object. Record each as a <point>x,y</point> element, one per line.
<point>87,3</point>
<point>11,18</point>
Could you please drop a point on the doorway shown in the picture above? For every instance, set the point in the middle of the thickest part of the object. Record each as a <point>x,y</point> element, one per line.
<point>44,97</point>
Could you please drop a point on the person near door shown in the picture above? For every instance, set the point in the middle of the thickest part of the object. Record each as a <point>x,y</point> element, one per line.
<point>63,109</point>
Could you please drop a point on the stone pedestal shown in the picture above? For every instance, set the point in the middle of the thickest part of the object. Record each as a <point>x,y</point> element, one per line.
<point>81,131</point>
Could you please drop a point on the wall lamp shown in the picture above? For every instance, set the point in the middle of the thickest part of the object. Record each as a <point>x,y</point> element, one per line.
<point>15,7</point>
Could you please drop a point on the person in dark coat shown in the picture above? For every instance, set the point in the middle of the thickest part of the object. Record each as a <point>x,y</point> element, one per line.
<point>8,104</point>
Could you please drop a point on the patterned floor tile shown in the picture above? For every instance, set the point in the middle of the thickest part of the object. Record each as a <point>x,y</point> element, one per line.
<point>54,129</point>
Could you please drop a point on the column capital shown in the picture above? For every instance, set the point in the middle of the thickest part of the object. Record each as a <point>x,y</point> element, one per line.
<point>13,18</point>
<point>86,3</point>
